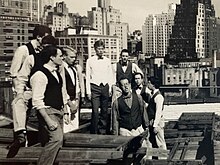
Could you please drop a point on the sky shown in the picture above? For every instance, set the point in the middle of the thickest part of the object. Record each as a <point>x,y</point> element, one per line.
<point>133,12</point>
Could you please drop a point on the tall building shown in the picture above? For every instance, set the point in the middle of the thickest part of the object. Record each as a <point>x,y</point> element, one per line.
<point>156,32</point>
<point>17,20</point>
<point>107,21</point>
<point>190,39</point>
<point>58,17</point>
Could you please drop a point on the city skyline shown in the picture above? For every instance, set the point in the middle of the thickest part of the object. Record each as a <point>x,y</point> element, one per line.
<point>141,9</point>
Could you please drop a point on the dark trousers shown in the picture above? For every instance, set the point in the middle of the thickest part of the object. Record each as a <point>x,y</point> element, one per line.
<point>51,141</point>
<point>99,98</point>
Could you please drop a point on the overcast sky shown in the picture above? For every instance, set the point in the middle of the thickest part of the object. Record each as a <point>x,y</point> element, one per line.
<point>133,12</point>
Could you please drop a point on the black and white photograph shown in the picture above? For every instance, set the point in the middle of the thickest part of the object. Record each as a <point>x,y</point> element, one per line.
<point>109,82</point>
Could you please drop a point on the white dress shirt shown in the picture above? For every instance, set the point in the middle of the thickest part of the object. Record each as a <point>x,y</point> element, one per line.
<point>98,71</point>
<point>39,83</point>
<point>159,108</point>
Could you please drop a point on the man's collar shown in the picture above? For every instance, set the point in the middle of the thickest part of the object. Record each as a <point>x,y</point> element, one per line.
<point>127,96</point>
<point>139,87</point>
<point>50,68</point>
<point>155,90</point>
<point>100,58</point>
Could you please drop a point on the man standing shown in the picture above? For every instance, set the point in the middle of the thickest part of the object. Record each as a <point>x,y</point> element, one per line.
<point>129,117</point>
<point>19,104</point>
<point>48,101</point>
<point>99,79</point>
<point>140,88</point>
<point>124,68</point>
<point>155,114</point>
<point>72,87</point>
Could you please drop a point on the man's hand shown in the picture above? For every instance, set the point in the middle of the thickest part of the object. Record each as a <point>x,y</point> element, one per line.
<point>52,125</point>
<point>18,97</point>
<point>156,130</point>
<point>83,100</point>
<point>73,106</point>
<point>89,96</point>
<point>66,118</point>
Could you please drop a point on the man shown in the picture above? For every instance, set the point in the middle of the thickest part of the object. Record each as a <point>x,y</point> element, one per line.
<point>99,79</point>
<point>72,86</point>
<point>47,99</point>
<point>155,114</point>
<point>19,104</point>
<point>140,88</point>
<point>129,117</point>
<point>123,68</point>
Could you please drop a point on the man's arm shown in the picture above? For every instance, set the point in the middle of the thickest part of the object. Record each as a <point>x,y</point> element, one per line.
<point>39,83</point>
<point>159,108</point>
<point>81,80</point>
<point>24,73</point>
<point>136,69</point>
<point>143,108</point>
<point>114,118</point>
<point>88,77</point>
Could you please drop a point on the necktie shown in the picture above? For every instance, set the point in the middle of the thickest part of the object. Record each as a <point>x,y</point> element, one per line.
<point>100,58</point>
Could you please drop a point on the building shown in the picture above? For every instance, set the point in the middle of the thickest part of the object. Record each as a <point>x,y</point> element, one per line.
<point>17,20</point>
<point>156,32</point>
<point>107,21</point>
<point>84,44</point>
<point>57,18</point>
<point>190,39</point>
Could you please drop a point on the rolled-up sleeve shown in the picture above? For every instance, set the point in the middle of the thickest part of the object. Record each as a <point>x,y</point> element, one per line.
<point>38,83</point>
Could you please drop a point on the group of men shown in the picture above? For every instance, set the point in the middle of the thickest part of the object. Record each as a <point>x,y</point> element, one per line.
<point>48,79</point>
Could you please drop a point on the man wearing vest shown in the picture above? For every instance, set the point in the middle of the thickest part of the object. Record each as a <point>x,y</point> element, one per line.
<point>19,104</point>
<point>129,117</point>
<point>123,68</point>
<point>155,114</point>
<point>72,86</point>
<point>99,80</point>
<point>47,99</point>
<point>140,88</point>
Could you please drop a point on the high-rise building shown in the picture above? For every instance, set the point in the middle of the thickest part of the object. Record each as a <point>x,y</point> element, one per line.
<point>17,20</point>
<point>156,32</point>
<point>190,39</point>
<point>107,21</point>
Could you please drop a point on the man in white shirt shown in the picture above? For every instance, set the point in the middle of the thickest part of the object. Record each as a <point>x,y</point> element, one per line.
<point>99,79</point>
<point>155,114</point>
<point>19,104</point>
<point>72,87</point>
<point>46,84</point>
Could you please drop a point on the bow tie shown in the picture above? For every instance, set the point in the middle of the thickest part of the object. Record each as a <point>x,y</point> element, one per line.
<point>100,58</point>
<point>138,87</point>
<point>127,96</point>
<point>124,64</point>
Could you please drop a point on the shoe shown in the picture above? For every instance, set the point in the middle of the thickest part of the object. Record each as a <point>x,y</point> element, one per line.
<point>19,141</point>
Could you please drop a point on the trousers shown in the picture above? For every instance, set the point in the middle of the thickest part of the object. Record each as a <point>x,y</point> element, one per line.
<point>51,141</point>
<point>99,98</point>
<point>19,111</point>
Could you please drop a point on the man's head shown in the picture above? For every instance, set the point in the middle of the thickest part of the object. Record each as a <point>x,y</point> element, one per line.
<point>48,40</point>
<point>124,56</point>
<point>153,83</point>
<point>41,31</point>
<point>70,55</point>
<point>138,78</point>
<point>52,54</point>
<point>99,47</point>
<point>125,86</point>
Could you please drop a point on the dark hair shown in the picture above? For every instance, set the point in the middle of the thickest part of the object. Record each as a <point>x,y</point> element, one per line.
<point>123,78</point>
<point>138,73</point>
<point>49,40</point>
<point>124,50</point>
<point>99,43</point>
<point>154,81</point>
<point>41,30</point>
<point>47,52</point>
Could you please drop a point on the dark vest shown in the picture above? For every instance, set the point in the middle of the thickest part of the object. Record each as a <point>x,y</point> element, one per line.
<point>120,73</point>
<point>30,48</point>
<point>71,89</point>
<point>145,96</point>
<point>53,95</point>
<point>130,118</point>
<point>151,108</point>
